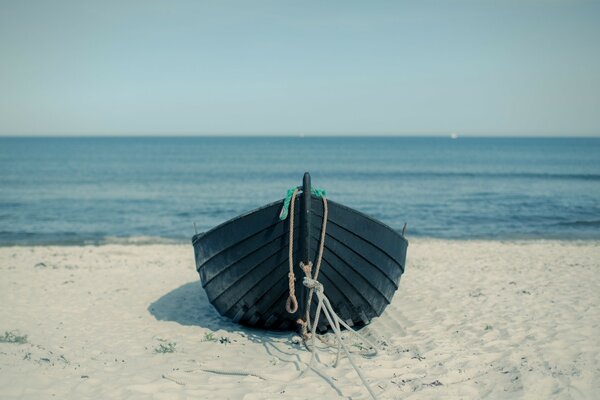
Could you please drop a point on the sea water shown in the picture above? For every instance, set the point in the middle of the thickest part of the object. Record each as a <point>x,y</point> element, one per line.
<point>98,190</point>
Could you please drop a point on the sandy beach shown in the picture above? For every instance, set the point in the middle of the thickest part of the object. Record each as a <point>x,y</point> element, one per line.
<point>472,319</point>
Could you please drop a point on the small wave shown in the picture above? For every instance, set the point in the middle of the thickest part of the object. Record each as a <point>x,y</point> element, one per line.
<point>580,223</point>
<point>136,240</point>
<point>369,175</point>
<point>72,239</point>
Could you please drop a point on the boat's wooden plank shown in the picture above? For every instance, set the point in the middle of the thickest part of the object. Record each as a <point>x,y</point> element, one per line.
<point>237,229</point>
<point>354,286</point>
<point>271,294</point>
<point>275,301</point>
<point>223,300</point>
<point>381,260</point>
<point>338,290</point>
<point>231,277</point>
<point>273,238</point>
<point>238,314</point>
<point>271,320</point>
<point>369,272</point>
<point>356,282</point>
<point>371,230</point>
<point>336,297</point>
<point>267,290</point>
<point>271,299</point>
<point>251,320</point>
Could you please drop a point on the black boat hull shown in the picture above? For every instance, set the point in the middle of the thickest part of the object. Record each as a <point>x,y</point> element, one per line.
<point>243,264</point>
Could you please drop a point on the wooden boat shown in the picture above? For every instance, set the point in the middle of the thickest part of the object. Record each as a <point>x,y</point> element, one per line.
<point>243,263</point>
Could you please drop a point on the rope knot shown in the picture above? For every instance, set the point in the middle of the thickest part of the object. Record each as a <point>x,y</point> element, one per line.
<point>303,328</point>
<point>292,277</point>
<point>312,284</point>
<point>307,268</point>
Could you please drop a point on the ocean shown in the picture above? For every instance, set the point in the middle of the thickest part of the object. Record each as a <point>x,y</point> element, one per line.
<point>147,190</point>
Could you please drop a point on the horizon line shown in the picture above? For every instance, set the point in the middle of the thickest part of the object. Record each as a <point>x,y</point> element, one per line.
<point>453,135</point>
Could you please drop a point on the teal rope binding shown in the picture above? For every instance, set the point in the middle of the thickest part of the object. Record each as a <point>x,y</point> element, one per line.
<point>288,197</point>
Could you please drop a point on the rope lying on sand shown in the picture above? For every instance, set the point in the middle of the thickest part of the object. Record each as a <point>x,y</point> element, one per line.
<point>224,371</point>
<point>335,322</point>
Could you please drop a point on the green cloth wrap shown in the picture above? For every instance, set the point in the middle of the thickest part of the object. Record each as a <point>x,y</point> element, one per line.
<point>288,198</point>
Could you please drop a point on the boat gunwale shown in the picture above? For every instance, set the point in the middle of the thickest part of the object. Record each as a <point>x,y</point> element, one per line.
<point>367,216</point>
<point>197,236</point>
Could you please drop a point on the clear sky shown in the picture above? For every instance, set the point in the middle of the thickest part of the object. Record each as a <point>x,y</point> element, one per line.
<point>482,67</point>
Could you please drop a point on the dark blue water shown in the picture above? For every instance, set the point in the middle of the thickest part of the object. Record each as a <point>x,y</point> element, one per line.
<point>95,190</point>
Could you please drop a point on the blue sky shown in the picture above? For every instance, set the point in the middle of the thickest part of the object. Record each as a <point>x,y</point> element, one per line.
<point>300,67</point>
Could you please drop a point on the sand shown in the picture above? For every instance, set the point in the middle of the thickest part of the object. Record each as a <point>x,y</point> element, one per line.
<point>472,319</point>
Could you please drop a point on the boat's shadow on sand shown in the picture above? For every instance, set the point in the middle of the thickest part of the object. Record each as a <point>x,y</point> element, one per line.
<point>189,305</point>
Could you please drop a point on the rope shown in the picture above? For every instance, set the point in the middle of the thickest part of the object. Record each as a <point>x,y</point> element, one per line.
<point>319,259</point>
<point>291,304</point>
<point>234,371</point>
<point>334,321</point>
